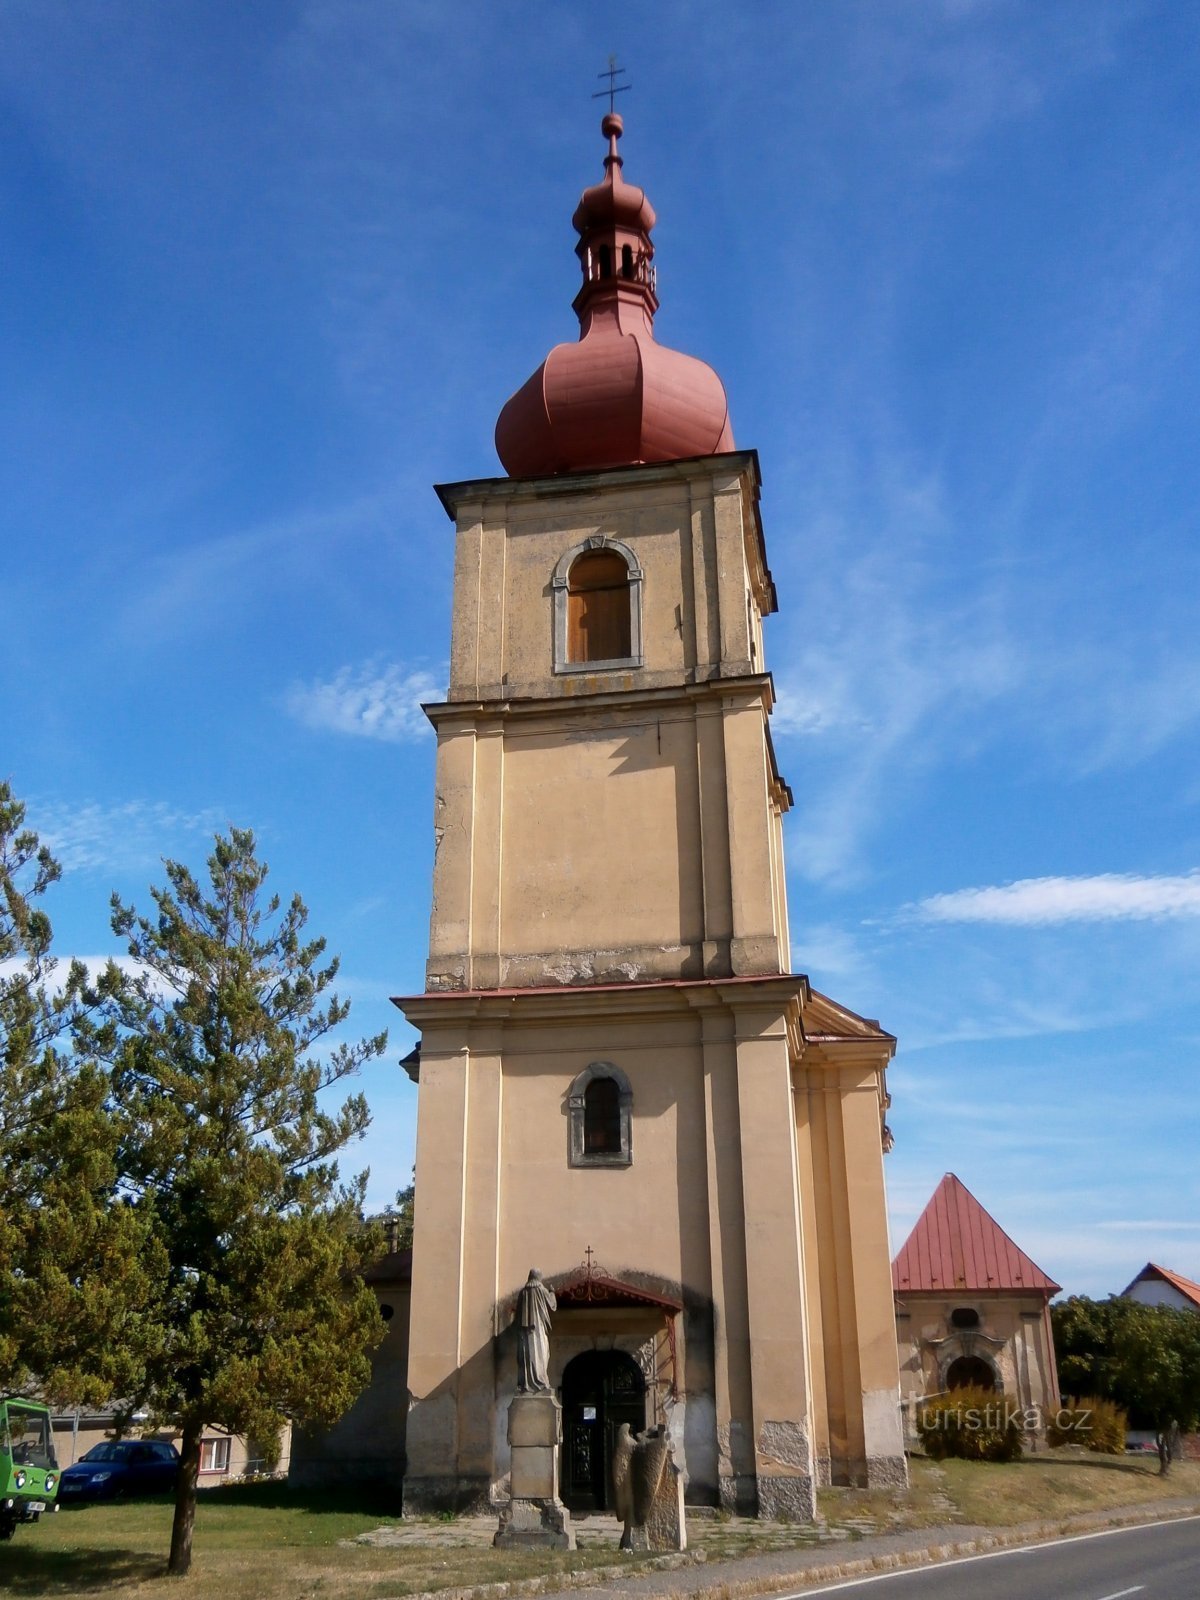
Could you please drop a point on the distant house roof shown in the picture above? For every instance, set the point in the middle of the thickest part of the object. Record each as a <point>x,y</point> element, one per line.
<point>1190,1290</point>
<point>393,1268</point>
<point>957,1245</point>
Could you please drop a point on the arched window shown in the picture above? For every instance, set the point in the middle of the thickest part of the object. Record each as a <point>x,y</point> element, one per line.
<point>599,1117</point>
<point>598,607</point>
<point>597,590</point>
<point>602,1118</point>
<point>964,1317</point>
<point>606,270</point>
<point>626,261</point>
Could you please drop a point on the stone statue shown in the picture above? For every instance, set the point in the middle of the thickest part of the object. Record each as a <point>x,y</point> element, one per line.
<point>647,1490</point>
<point>535,1304</point>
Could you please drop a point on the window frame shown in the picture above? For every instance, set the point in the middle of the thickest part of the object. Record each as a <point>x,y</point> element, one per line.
<point>577,1155</point>
<point>559,588</point>
<point>214,1444</point>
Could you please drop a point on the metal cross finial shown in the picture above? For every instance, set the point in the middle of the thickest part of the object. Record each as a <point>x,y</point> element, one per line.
<point>614,88</point>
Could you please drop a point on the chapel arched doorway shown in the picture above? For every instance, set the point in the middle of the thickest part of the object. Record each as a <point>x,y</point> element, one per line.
<point>601,1389</point>
<point>970,1372</point>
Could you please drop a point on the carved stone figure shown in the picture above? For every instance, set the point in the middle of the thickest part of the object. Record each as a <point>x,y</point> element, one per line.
<point>535,1305</point>
<point>647,1490</point>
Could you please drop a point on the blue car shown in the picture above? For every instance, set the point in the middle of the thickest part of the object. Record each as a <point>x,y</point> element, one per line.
<point>120,1467</point>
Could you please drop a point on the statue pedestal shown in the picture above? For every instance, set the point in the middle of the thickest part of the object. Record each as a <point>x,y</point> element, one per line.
<point>535,1517</point>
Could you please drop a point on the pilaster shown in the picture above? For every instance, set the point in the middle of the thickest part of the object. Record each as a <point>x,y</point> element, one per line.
<point>779,1351</point>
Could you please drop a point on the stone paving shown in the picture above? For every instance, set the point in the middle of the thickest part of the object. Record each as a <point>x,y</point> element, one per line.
<point>716,1536</point>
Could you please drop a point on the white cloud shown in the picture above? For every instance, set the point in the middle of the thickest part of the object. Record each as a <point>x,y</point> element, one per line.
<point>1040,902</point>
<point>1151,1224</point>
<point>374,701</point>
<point>131,835</point>
<point>56,977</point>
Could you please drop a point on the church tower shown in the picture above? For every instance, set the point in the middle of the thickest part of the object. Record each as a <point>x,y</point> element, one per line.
<point>621,1082</point>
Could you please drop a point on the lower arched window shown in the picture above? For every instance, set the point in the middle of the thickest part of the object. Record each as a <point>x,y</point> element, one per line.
<point>599,1117</point>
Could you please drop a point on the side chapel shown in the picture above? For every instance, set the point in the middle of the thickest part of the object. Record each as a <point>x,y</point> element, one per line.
<point>621,1081</point>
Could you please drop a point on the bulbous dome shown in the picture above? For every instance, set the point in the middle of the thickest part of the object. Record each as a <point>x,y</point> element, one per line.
<point>616,397</point>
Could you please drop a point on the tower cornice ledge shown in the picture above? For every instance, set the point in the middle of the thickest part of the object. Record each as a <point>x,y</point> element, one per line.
<point>565,1000</point>
<point>482,492</point>
<point>754,686</point>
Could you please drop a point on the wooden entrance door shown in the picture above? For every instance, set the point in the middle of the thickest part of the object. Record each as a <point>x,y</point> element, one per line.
<point>601,1389</point>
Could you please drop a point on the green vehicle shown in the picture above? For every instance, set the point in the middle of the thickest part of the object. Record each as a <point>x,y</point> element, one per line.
<point>28,1469</point>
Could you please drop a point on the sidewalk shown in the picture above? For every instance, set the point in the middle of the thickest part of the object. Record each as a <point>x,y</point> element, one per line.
<point>809,1557</point>
<point>777,1572</point>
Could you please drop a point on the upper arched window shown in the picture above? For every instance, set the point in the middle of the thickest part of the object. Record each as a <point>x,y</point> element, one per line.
<point>599,1117</point>
<point>602,1118</point>
<point>964,1317</point>
<point>597,607</point>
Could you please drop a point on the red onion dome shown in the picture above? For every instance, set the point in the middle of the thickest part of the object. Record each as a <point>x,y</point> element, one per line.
<point>616,397</point>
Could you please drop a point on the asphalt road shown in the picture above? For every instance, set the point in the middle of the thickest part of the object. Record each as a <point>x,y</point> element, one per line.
<point>1159,1561</point>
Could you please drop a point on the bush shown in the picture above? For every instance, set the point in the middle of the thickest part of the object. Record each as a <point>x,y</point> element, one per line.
<point>972,1424</point>
<point>1097,1425</point>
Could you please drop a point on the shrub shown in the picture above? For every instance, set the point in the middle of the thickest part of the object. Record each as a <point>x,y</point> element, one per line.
<point>1097,1425</point>
<point>972,1424</point>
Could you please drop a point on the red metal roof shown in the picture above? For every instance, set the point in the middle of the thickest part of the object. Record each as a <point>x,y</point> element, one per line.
<point>1185,1285</point>
<point>616,396</point>
<point>598,1289</point>
<point>957,1245</point>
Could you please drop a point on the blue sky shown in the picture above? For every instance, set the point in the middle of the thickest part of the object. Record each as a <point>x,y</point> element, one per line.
<point>271,271</point>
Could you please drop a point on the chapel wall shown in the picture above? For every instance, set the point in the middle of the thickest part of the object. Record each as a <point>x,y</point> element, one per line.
<point>1012,1335</point>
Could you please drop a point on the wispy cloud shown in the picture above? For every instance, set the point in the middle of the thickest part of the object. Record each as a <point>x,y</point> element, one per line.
<point>123,837</point>
<point>876,703</point>
<point>1040,902</point>
<point>56,977</point>
<point>191,586</point>
<point>375,701</point>
<point>1155,1224</point>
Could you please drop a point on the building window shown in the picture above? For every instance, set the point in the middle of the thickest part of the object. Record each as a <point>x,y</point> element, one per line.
<point>598,608</point>
<point>214,1455</point>
<point>599,1117</point>
<point>964,1317</point>
<point>597,590</point>
<point>602,1118</point>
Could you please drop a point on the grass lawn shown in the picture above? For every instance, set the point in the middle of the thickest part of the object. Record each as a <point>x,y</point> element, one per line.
<point>260,1543</point>
<point>1045,1487</point>
<point>264,1542</point>
<point>1039,1488</point>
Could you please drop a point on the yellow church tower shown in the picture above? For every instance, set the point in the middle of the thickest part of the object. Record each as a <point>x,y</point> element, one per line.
<point>621,1081</point>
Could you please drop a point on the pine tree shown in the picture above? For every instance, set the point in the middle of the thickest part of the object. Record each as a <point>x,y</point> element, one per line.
<point>75,1269</point>
<point>230,1157</point>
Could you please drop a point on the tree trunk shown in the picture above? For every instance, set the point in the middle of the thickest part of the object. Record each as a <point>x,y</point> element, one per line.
<point>185,1499</point>
<point>1170,1447</point>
